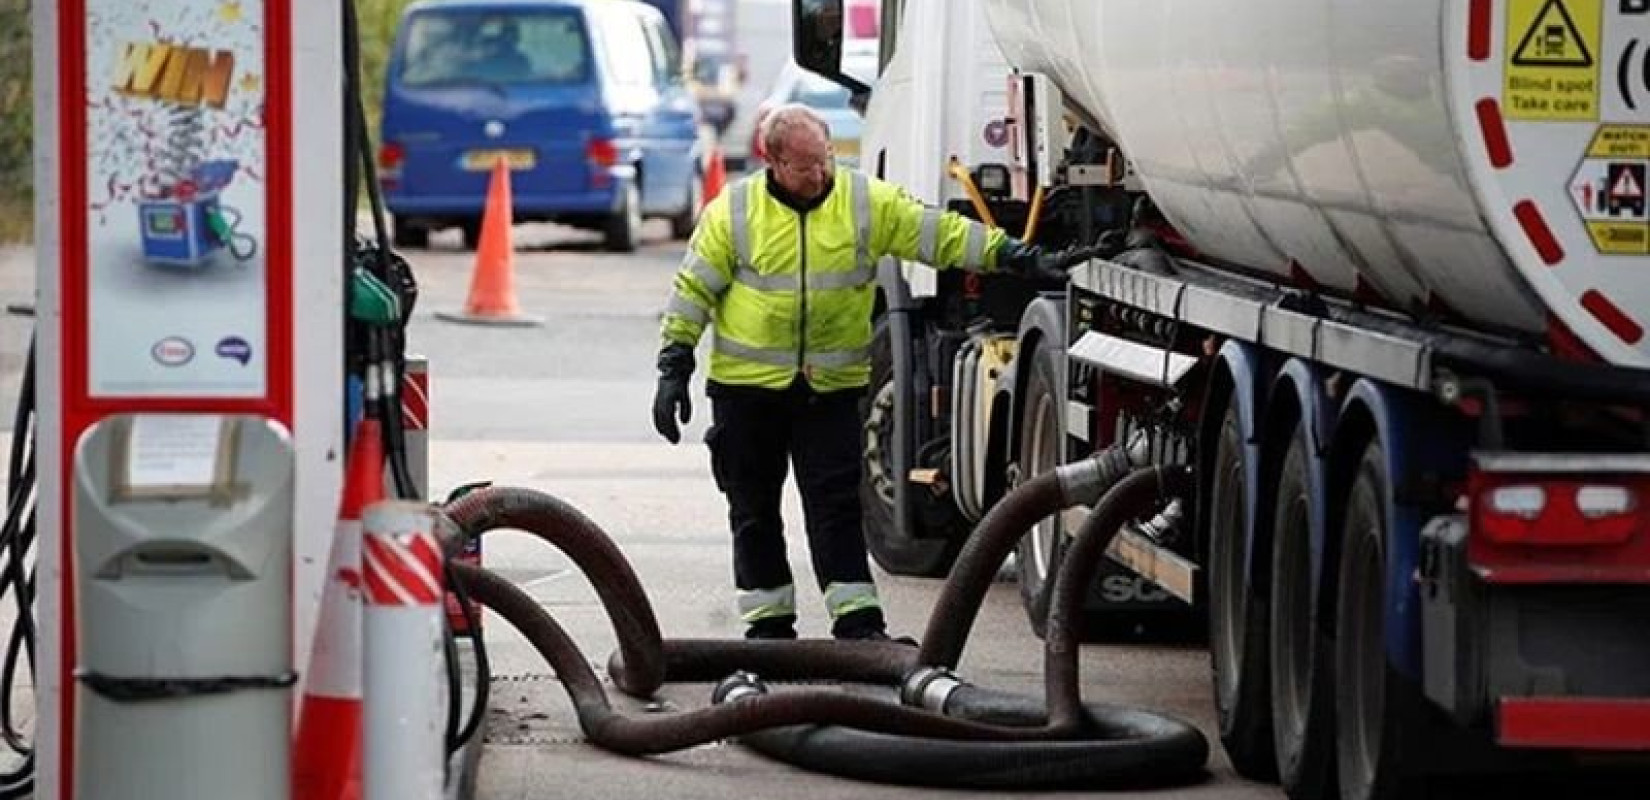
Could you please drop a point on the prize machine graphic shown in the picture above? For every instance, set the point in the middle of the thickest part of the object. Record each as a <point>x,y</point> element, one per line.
<point>182,217</point>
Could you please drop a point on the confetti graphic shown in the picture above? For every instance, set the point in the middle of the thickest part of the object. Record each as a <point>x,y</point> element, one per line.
<point>128,134</point>
<point>176,154</point>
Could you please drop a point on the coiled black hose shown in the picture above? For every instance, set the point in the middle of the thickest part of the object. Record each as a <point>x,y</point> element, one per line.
<point>1071,744</point>
<point>653,733</point>
<point>592,550</point>
<point>976,738</point>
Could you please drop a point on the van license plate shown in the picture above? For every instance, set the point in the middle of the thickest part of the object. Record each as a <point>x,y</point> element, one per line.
<point>483,160</point>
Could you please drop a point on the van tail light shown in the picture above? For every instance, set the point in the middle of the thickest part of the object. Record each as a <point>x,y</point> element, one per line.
<point>601,155</point>
<point>391,156</point>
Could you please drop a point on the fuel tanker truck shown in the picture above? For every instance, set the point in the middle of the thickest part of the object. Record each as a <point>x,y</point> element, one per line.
<point>1379,271</point>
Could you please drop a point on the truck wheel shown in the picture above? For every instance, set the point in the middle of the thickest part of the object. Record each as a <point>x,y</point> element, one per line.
<point>1369,695</point>
<point>1237,616</point>
<point>471,230</point>
<point>1303,721</point>
<point>1038,554</point>
<point>893,550</point>
<point>681,225</point>
<point>623,231</point>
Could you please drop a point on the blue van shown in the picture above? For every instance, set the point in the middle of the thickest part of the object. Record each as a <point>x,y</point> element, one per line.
<point>584,100</point>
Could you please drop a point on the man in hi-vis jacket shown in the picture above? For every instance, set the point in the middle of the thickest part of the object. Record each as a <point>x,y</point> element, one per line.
<point>783,266</point>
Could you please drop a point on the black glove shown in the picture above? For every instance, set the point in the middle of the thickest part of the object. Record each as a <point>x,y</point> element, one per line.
<point>1030,261</point>
<point>670,400</point>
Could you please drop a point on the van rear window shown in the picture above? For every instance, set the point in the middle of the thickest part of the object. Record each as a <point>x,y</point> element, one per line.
<point>459,47</point>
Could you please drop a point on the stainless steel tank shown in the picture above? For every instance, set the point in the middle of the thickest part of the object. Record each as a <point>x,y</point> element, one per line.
<point>1483,156</point>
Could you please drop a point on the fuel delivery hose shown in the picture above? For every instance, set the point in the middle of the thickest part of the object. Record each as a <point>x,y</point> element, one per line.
<point>965,736</point>
<point>653,733</point>
<point>593,551</point>
<point>1072,745</point>
<point>1080,483</point>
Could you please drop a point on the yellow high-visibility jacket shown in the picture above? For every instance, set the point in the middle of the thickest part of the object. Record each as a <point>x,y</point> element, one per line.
<point>791,293</point>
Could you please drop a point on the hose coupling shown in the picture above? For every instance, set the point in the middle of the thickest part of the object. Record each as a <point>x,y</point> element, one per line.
<point>1085,482</point>
<point>738,686</point>
<point>929,687</point>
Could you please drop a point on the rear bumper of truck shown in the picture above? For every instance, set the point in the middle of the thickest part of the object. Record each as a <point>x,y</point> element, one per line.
<point>1538,665</point>
<point>1589,723</point>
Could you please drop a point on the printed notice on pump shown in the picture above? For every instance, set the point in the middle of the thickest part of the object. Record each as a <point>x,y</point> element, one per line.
<point>175,455</point>
<point>1552,60</point>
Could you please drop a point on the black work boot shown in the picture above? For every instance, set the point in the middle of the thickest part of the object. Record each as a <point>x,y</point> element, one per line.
<point>783,627</point>
<point>865,624</point>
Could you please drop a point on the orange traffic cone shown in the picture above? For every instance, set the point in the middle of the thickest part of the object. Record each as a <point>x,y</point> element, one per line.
<point>492,298</point>
<point>716,174</point>
<point>326,758</point>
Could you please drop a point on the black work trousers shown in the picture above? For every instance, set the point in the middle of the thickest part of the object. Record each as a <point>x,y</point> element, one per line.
<point>752,434</point>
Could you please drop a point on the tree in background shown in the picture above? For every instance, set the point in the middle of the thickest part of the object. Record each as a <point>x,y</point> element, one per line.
<point>16,123</point>
<point>378,20</point>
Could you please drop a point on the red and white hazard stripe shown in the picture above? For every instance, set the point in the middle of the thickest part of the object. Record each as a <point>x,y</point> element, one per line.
<point>415,396</point>
<point>404,692</point>
<point>402,570</point>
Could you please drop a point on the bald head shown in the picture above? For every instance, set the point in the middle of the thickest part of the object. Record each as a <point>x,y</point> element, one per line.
<point>797,143</point>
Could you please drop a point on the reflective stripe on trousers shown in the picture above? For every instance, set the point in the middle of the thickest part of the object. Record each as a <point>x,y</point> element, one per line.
<point>846,598</point>
<point>755,604</point>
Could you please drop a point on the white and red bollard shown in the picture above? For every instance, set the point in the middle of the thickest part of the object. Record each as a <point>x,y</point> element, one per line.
<point>405,692</point>
<point>415,425</point>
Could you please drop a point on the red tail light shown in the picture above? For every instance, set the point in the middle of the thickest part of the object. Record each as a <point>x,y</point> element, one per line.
<point>1549,511</point>
<point>601,153</point>
<point>1559,518</point>
<point>390,158</point>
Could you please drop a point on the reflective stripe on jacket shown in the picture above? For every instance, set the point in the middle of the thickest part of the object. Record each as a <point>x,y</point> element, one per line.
<point>791,293</point>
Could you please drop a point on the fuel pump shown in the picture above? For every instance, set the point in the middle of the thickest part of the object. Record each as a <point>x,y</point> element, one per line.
<point>212,323</point>
<point>190,434</point>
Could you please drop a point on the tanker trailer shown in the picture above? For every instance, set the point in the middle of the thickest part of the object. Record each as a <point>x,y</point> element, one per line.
<point>1382,280</point>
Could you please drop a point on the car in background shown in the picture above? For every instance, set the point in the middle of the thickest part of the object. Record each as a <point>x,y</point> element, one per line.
<point>831,100</point>
<point>582,99</point>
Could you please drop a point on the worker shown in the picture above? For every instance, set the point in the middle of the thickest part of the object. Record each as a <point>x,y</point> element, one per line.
<point>783,265</point>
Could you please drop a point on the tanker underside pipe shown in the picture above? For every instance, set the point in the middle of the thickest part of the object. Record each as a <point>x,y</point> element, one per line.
<point>929,728</point>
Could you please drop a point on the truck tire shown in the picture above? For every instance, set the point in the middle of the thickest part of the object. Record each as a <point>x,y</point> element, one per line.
<point>1369,695</point>
<point>895,552</point>
<point>1303,696</point>
<point>1237,616</point>
<point>1037,557</point>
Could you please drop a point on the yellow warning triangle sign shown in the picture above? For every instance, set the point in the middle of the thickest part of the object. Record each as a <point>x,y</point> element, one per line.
<point>1553,40</point>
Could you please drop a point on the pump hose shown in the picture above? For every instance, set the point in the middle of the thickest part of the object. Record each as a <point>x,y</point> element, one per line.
<point>974,738</point>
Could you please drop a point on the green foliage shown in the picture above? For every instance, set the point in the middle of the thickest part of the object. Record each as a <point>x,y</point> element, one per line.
<point>378,19</point>
<point>16,123</point>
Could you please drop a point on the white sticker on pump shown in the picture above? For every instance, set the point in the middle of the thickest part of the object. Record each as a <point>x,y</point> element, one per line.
<point>176,180</point>
<point>175,454</point>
